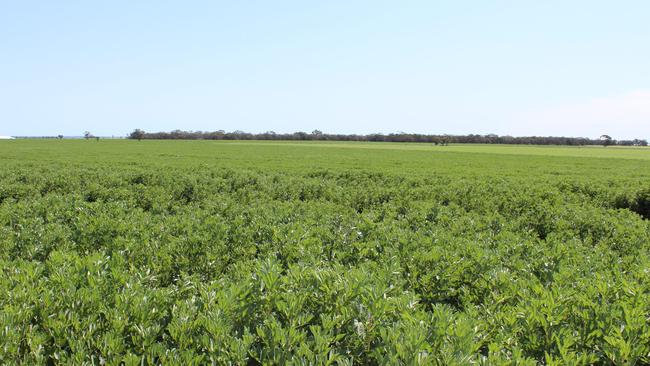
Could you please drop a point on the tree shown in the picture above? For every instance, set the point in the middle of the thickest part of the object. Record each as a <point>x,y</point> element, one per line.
<point>137,134</point>
<point>606,140</point>
<point>88,135</point>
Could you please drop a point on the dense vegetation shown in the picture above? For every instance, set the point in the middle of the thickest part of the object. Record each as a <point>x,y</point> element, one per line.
<point>317,135</point>
<point>200,252</point>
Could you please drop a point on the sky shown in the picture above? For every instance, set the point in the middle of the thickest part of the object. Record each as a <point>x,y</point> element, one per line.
<point>545,68</point>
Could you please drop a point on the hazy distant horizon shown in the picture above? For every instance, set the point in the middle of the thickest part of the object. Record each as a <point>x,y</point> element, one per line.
<point>124,136</point>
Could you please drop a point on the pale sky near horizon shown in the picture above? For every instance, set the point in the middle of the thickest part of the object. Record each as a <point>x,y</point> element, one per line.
<point>561,68</point>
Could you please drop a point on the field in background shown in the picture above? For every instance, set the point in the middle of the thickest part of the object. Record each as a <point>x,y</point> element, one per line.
<point>367,253</point>
<point>299,154</point>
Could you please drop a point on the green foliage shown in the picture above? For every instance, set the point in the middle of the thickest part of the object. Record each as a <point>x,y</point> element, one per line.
<point>216,253</point>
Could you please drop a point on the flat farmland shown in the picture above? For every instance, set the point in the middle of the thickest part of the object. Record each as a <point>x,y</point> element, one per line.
<point>250,252</point>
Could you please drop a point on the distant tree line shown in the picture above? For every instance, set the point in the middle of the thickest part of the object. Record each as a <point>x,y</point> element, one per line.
<point>317,135</point>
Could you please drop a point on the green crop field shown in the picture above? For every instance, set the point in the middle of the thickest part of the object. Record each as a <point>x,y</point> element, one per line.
<point>203,252</point>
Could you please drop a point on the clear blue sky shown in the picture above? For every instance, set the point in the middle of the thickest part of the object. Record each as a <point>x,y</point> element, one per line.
<point>574,68</point>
